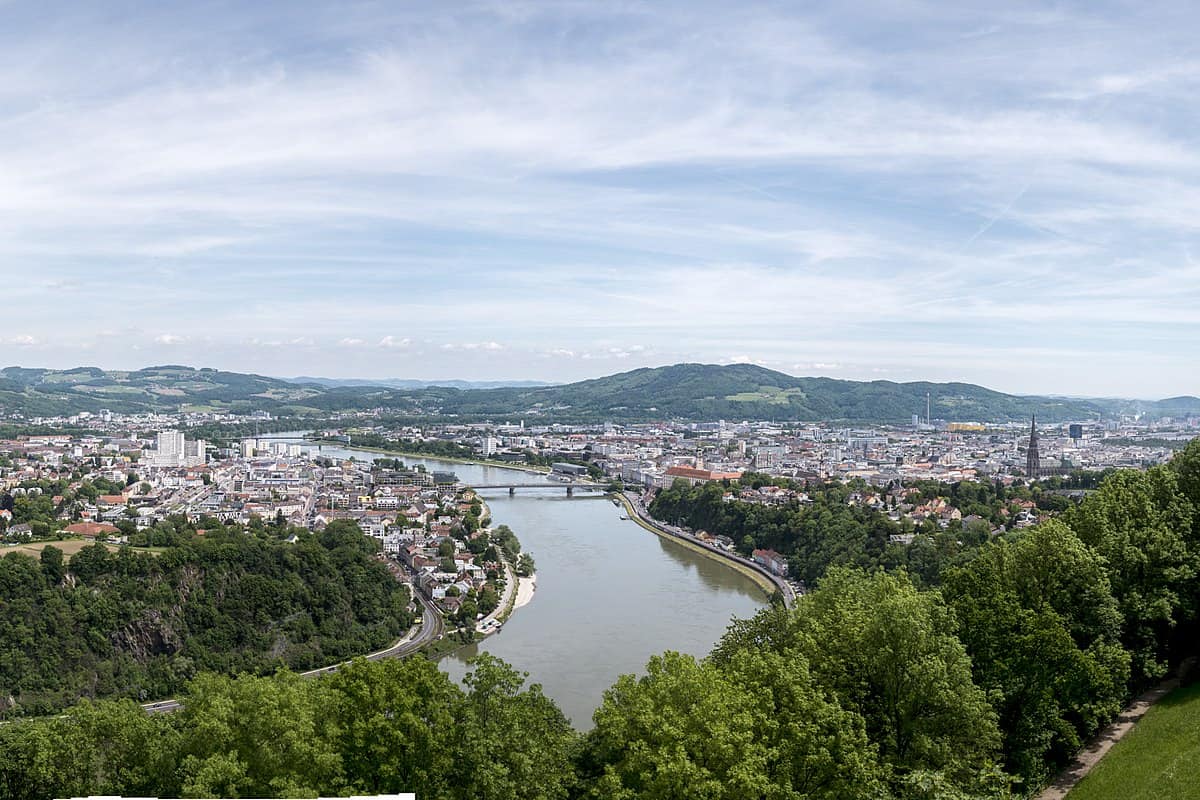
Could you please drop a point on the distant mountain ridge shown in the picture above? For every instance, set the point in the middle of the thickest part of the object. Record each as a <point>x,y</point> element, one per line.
<point>408,383</point>
<point>746,391</point>
<point>680,391</point>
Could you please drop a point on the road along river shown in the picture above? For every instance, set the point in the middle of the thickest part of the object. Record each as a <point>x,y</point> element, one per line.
<point>609,593</point>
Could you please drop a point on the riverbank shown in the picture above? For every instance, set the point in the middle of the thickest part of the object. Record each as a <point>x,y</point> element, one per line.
<point>518,592</point>
<point>449,459</point>
<point>764,583</point>
<point>525,590</point>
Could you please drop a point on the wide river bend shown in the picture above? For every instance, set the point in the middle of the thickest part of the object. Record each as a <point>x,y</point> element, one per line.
<point>609,593</point>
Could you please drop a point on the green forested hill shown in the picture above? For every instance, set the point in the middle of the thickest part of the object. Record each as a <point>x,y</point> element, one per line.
<point>46,392</point>
<point>687,391</point>
<point>133,624</point>
<point>745,391</point>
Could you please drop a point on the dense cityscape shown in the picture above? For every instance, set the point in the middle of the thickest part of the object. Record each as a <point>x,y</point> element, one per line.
<point>148,479</point>
<point>650,400</point>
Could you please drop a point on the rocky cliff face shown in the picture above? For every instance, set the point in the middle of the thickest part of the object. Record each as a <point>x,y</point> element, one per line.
<point>151,635</point>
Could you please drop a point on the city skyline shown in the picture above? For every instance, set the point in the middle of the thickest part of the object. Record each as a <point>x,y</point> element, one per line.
<point>486,191</point>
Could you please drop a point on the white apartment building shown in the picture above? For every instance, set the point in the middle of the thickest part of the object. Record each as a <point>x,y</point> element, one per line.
<point>172,449</point>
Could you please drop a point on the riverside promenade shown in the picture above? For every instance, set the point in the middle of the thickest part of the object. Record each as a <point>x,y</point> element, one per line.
<point>769,582</point>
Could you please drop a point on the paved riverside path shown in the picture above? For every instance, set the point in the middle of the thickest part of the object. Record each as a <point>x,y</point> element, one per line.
<point>510,589</point>
<point>632,501</point>
<point>1104,740</point>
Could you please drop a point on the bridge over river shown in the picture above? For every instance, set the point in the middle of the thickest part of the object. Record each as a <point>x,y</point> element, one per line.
<point>570,487</point>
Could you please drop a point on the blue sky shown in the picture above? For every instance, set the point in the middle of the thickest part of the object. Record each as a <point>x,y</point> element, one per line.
<point>1000,193</point>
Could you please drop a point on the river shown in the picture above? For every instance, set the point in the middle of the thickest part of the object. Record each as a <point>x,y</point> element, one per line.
<point>609,593</point>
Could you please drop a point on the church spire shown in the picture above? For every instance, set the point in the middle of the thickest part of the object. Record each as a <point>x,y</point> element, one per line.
<point>1033,460</point>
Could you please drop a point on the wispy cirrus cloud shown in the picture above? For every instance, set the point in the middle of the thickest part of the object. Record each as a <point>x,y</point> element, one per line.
<point>283,187</point>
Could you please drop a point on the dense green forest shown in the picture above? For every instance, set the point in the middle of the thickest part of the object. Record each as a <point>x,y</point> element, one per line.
<point>978,683</point>
<point>139,624</point>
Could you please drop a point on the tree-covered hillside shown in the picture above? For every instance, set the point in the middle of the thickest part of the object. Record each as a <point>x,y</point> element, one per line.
<point>138,624</point>
<point>745,391</point>
<point>685,391</point>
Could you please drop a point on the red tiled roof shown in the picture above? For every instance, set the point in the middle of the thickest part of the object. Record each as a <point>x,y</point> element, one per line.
<point>91,529</point>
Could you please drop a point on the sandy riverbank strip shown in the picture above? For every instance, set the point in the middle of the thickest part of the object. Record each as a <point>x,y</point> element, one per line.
<point>525,590</point>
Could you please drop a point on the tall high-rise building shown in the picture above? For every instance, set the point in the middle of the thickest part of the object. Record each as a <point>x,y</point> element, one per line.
<point>170,446</point>
<point>171,449</point>
<point>1033,459</point>
<point>195,452</point>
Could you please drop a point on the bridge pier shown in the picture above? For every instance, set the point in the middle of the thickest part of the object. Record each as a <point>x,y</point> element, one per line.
<point>511,491</point>
<point>570,491</point>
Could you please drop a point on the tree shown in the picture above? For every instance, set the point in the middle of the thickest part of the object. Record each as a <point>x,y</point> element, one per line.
<point>139,625</point>
<point>52,564</point>
<point>466,614</point>
<point>493,764</point>
<point>507,540</point>
<point>1140,523</point>
<point>889,653</point>
<point>758,728</point>
<point>1186,466</point>
<point>91,562</point>
<point>258,737</point>
<point>114,748</point>
<point>1054,670</point>
<point>395,723</point>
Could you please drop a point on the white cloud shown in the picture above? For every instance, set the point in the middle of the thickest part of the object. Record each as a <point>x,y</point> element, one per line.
<point>680,176</point>
<point>469,346</point>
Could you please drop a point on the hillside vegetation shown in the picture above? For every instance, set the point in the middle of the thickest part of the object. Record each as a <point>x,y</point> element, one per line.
<point>745,391</point>
<point>686,391</point>
<point>132,624</point>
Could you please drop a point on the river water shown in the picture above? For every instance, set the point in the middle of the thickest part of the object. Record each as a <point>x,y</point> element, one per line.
<point>609,593</point>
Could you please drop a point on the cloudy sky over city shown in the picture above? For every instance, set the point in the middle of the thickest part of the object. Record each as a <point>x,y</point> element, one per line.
<point>998,193</point>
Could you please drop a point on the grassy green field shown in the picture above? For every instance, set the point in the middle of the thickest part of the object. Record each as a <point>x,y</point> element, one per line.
<point>767,394</point>
<point>1159,758</point>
